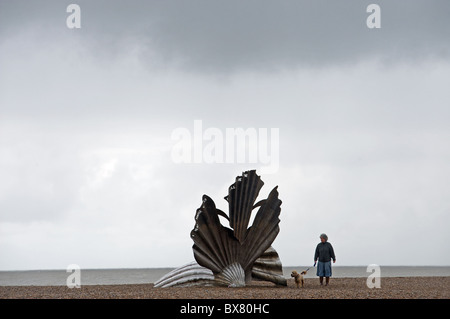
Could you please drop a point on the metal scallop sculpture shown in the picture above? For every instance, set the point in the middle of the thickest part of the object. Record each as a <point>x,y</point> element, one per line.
<point>237,255</point>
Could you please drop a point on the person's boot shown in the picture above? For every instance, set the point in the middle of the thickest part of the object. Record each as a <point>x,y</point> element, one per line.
<point>327,281</point>
<point>321,280</point>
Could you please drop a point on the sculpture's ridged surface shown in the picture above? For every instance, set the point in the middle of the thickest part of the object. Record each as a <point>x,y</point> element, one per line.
<point>232,276</point>
<point>236,255</point>
<point>215,246</point>
<point>241,197</point>
<point>191,274</point>
<point>268,267</point>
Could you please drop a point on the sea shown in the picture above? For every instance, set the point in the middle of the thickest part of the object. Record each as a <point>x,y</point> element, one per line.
<point>150,275</point>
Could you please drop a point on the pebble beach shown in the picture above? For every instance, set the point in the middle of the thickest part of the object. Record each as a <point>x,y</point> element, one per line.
<point>339,288</point>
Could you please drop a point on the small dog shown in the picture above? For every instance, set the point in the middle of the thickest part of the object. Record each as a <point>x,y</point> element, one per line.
<point>299,281</point>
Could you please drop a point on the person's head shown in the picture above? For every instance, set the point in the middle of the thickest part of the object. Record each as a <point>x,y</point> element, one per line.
<point>323,238</point>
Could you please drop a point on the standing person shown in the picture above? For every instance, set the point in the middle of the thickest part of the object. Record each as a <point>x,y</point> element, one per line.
<point>324,253</point>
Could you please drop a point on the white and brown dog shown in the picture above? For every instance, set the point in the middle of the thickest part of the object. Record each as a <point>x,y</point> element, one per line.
<point>299,281</point>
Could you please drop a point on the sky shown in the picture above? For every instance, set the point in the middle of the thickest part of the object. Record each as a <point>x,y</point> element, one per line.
<point>87,116</point>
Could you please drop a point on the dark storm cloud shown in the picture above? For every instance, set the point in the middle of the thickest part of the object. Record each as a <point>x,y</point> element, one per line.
<point>226,36</point>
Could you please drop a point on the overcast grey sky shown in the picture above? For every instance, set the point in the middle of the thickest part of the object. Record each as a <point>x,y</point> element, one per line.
<point>86,117</point>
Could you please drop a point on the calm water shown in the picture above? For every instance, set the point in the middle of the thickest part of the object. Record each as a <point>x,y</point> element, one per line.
<point>149,275</point>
